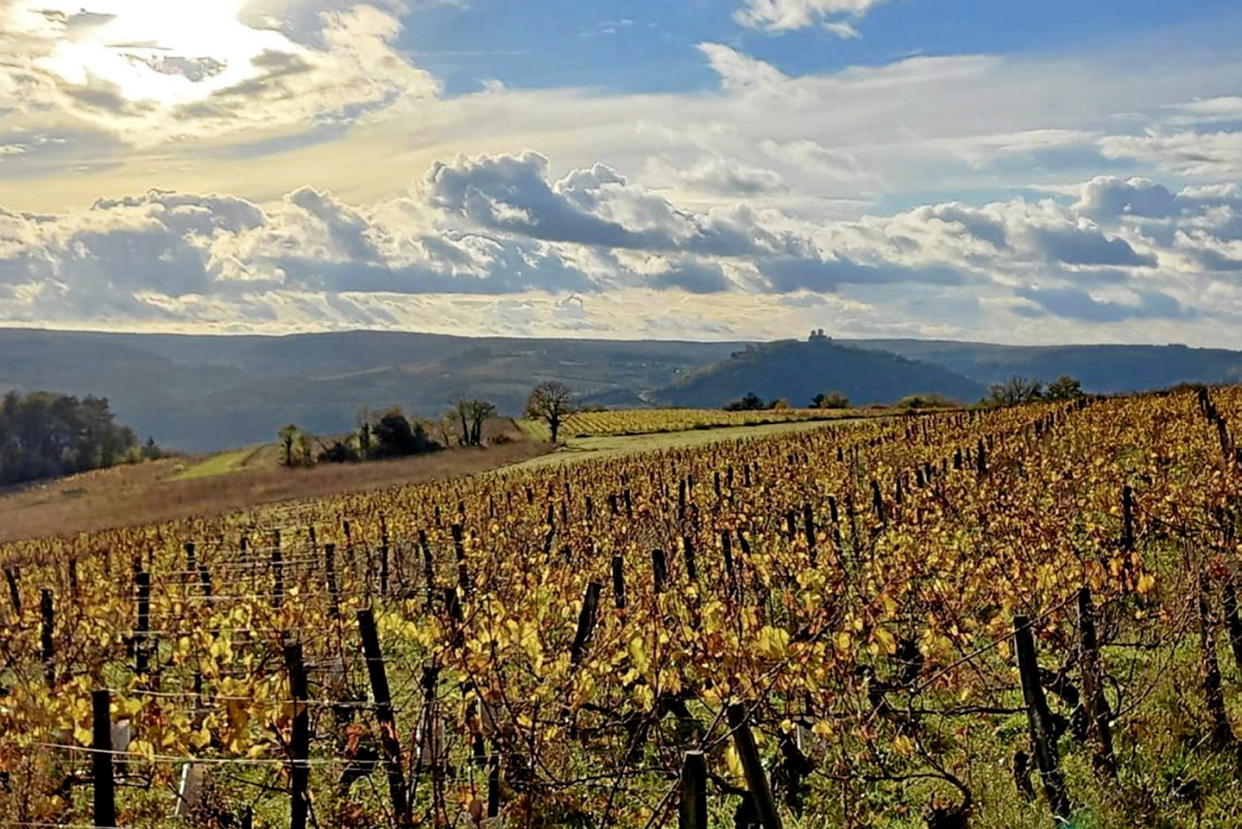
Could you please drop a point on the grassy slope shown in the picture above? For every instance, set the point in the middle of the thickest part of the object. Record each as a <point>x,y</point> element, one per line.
<point>222,464</point>
<point>239,479</point>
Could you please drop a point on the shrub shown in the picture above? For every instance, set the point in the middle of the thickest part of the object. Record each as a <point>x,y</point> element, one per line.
<point>751,402</point>
<point>830,400</point>
<point>926,401</point>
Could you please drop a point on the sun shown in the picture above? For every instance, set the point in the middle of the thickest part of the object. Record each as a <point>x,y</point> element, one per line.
<point>156,51</point>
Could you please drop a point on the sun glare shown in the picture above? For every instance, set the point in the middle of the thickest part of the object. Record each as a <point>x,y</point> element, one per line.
<point>154,50</point>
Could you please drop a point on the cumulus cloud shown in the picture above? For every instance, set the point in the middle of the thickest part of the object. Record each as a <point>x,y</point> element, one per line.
<point>782,15</point>
<point>503,225</point>
<point>591,206</point>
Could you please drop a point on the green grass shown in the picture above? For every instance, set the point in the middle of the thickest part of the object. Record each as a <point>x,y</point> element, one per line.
<point>221,464</point>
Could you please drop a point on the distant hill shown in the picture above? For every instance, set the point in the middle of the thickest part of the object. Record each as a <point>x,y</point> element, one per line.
<point>203,393</point>
<point>1100,368</point>
<point>798,370</point>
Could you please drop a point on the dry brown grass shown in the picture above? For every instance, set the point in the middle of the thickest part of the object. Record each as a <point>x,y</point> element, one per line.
<point>145,493</point>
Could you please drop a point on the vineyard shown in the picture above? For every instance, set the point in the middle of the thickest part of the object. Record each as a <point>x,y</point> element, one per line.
<point>650,421</point>
<point>1022,618</point>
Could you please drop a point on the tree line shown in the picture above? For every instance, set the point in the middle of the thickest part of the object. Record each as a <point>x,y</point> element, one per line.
<point>391,433</point>
<point>1012,392</point>
<point>47,435</point>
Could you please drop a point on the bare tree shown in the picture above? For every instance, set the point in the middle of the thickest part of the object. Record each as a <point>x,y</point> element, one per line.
<point>550,401</point>
<point>1015,391</point>
<point>362,420</point>
<point>479,414</point>
<point>288,436</point>
<point>445,425</point>
<point>472,413</point>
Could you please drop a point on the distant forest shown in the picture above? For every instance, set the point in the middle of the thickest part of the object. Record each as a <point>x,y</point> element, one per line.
<point>46,435</point>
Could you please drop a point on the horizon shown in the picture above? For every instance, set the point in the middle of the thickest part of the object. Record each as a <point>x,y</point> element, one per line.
<point>588,338</point>
<point>713,171</point>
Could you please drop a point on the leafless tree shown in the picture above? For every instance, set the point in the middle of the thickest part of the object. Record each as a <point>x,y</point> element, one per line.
<point>550,401</point>
<point>473,413</point>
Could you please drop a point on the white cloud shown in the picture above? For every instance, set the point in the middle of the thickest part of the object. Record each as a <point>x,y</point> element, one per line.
<point>740,72</point>
<point>149,71</point>
<point>502,226</point>
<point>718,175</point>
<point>784,15</point>
<point>1202,155</point>
<point>1208,110</point>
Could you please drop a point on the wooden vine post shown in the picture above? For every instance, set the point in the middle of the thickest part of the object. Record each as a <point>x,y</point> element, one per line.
<point>659,569</point>
<point>278,572</point>
<point>299,740</point>
<point>586,621</point>
<point>1213,690</point>
<point>385,554</point>
<point>618,582</point>
<point>1039,718</point>
<point>47,644</point>
<point>752,766</point>
<point>142,654</point>
<point>329,573</point>
<point>1094,701</point>
<point>429,568</point>
<point>459,548</point>
<point>384,715</point>
<point>692,806</point>
<point>13,576</point>
<point>101,759</point>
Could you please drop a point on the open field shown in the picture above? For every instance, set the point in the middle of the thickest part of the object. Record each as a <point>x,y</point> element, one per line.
<point>653,421</point>
<point>176,488</point>
<point>884,623</point>
<point>222,464</point>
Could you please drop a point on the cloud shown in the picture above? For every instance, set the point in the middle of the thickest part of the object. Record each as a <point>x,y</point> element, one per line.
<point>151,73</point>
<point>1077,304</point>
<point>740,72</point>
<point>788,275</point>
<point>723,176</point>
<point>1208,110</point>
<point>813,156</point>
<point>1084,244</point>
<point>503,229</point>
<point>1202,155</point>
<point>693,277</point>
<point>784,15</point>
<point>590,206</point>
<point>1110,196</point>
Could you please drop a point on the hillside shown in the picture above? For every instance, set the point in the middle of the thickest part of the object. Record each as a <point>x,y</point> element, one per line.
<point>196,486</point>
<point>205,393</point>
<point>1101,368</point>
<point>798,371</point>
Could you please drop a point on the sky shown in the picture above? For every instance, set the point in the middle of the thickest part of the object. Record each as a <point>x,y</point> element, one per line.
<point>1012,172</point>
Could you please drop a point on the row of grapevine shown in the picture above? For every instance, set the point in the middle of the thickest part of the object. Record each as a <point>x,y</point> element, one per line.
<point>985,618</point>
<point>651,421</point>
